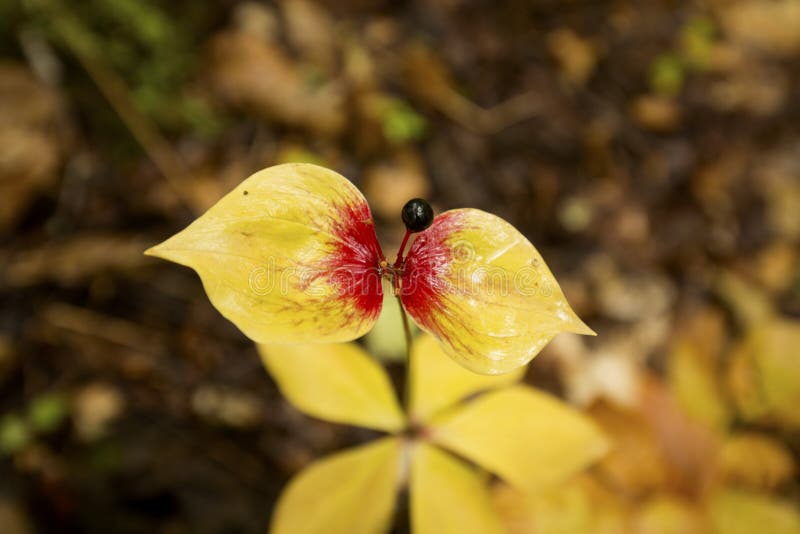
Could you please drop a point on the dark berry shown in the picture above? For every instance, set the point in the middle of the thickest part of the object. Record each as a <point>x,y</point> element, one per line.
<point>417,215</point>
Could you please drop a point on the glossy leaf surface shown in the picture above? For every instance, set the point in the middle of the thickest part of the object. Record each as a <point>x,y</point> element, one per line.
<point>481,288</point>
<point>289,256</point>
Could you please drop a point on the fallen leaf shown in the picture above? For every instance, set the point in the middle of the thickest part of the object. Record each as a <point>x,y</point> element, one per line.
<point>755,461</point>
<point>253,74</point>
<point>580,505</point>
<point>739,512</point>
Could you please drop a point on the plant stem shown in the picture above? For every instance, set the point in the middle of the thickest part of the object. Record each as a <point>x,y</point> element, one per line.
<point>399,260</point>
<point>407,332</point>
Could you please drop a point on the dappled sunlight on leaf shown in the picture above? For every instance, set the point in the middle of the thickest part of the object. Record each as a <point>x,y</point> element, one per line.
<point>335,382</point>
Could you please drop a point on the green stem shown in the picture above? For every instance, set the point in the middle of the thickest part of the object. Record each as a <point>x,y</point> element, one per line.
<point>407,332</point>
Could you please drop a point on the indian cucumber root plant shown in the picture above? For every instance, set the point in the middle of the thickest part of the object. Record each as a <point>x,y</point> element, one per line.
<point>292,258</point>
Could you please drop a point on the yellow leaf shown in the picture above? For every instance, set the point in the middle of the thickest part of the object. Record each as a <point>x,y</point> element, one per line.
<point>578,506</point>
<point>692,378</point>
<point>739,512</point>
<point>351,492</point>
<point>529,438</point>
<point>438,383</point>
<point>447,496</point>
<point>337,382</point>
<point>755,461</point>
<point>665,514</point>
<point>289,256</point>
<point>764,375</point>
<point>481,288</point>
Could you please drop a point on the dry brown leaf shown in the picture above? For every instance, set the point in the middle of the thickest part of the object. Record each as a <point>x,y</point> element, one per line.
<point>227,406</point>
<point>252,73</point>
<point>31,150</point>
<point>689,448</point>
<point>769,25</point>
<point>94,408</point>
<point>657,113</point>
<point>636,464</point>
<point>310,29</point>
<point>576,56</point>
<point>580,505</point>
<point>13,518</point>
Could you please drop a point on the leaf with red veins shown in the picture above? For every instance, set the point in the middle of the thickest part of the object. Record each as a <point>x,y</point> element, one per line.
<point>288,256</point>
<point>481,288</point>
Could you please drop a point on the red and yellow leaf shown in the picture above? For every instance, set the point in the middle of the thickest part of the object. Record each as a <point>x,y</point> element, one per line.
<point>288,256</point>
<point>481,288</point>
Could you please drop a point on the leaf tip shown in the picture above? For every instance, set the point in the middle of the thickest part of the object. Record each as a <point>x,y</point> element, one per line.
<point>577,326</point>
<point>156,251</point>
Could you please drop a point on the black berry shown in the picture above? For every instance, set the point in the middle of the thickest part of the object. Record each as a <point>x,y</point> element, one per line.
<point>417,215</point>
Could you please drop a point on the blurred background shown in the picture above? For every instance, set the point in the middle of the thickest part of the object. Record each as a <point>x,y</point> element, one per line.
<point>650,150</point>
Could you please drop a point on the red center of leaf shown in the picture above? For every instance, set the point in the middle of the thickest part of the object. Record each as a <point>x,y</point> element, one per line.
<point>425,277</point>
<point>353,266</point>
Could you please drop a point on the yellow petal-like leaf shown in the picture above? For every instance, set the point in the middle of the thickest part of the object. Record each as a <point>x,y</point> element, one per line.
<point>289,256</point>
<point>529,438</point>
<point>438,383</point>
<point>448,496</point>
<point>481,288</point>
<point>351,492</point>
<point>740,512</point>
<point>337,382</point>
